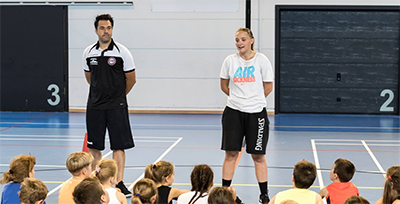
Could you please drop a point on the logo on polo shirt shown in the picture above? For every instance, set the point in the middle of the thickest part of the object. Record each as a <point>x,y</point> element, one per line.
<point>111,61</point>
<point>93,61</point>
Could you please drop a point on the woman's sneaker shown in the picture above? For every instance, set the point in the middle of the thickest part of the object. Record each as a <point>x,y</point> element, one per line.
<point>264,199</point>
<point>238,201</point>
<point>123,189</point>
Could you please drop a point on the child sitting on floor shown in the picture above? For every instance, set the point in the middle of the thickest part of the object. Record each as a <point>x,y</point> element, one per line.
<point>79,164</point>
<point>21,167</point>
<point>341,173</point>
<point>162,173</point>
<point>202,179</point>
<point>32,191</point>
<point>144,192</point>
<point>106,172</point>
<point>304,174</point>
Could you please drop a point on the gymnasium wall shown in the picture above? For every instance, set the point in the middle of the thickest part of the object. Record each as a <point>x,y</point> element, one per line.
<point>178,55</point>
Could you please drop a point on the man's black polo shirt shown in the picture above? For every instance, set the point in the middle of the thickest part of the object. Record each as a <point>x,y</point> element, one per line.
<point>108,81</point>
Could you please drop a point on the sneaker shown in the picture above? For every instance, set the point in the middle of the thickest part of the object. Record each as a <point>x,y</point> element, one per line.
<point>264,199</point>
<point>238,201</point>
<point>123,189</point>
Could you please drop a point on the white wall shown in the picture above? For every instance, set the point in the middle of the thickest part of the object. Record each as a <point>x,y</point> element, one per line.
<point>178,55</point>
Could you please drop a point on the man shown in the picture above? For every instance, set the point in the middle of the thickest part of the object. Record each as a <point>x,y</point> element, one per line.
<point>110,71</point>
<point>90,191</point>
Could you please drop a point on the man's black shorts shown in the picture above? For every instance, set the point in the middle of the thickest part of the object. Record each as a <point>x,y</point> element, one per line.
<point>253,126</point>
<point>117,123</point>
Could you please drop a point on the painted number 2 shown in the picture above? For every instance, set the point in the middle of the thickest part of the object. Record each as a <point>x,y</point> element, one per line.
<point>384,107</point>
<point>54,88</point>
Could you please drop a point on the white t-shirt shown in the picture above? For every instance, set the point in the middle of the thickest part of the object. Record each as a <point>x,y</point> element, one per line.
<point>112,193</point>
<point>246,77</point>
<point>186,197</point>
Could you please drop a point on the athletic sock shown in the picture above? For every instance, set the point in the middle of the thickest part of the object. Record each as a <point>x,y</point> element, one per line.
<point>263,188</point>
<point>226,183</point>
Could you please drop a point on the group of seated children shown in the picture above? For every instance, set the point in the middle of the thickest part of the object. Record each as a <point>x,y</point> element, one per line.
<point>87,186</point>
<point>304,175</point>
<point>21,186</point>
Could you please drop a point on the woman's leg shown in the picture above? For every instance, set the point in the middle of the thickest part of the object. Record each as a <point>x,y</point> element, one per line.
<point>260,164</point>
<point>228,168</point>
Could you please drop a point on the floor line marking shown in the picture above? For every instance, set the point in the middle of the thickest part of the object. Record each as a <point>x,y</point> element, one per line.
<point>337,127</point>
<point>59,186</point>
<point>246,185</point>
<point>76,136</point>
<point>203,148</point>
<point>273,185</point>
<point>319,174</point>
<point>26,122</point>
<point>132,125</point>
<point>354,144</point>
<point>194,125</point>
<point>374,158</point>
<point>355,140</point>
<point>71,140</point>
<point>321,143</point>
<point>157,160</point>
<point>38,165</point>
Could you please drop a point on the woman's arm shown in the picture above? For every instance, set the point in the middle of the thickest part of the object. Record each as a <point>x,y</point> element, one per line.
<point>267,88</point>
<point>225,86</point>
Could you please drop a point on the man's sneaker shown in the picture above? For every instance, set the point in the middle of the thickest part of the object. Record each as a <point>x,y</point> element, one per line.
<point>264,199</point>
<point>123,189</point>
<point>238,201</point>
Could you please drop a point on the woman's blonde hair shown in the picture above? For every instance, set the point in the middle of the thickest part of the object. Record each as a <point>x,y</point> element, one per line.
<point>20,167</point>
<point>249,33</point>
<point>143,191</point>
<point>159,171</point>
<point>105,169</point>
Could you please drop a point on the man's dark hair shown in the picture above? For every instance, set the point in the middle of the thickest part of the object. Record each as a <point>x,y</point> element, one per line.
<point>103,17</point>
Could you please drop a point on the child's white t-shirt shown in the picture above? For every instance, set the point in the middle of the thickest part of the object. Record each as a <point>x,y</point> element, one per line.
<point>186,197</point>
<point>112,193</point>
<point>246,77</point>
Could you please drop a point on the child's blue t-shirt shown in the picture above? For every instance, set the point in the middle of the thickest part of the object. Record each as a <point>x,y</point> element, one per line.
<point>10,193</point>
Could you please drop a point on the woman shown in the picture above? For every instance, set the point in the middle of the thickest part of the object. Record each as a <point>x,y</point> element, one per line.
<point>246,78</point>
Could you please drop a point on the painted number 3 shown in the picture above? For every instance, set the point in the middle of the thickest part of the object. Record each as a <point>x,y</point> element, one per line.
<point>54,92</point>
<point>384,107</point>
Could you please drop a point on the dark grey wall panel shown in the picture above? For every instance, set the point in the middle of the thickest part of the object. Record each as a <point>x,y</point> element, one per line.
<point>339,24</point>
<point>337,59</point>
<point>340,50</point>
<point>34,58</point>
<point>336,100</point>
<point>350,75</point>
<point>21,62</point>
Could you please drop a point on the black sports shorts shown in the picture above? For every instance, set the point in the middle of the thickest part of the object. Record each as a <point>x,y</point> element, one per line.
<point>254,127</point>
<point>116,121</point>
